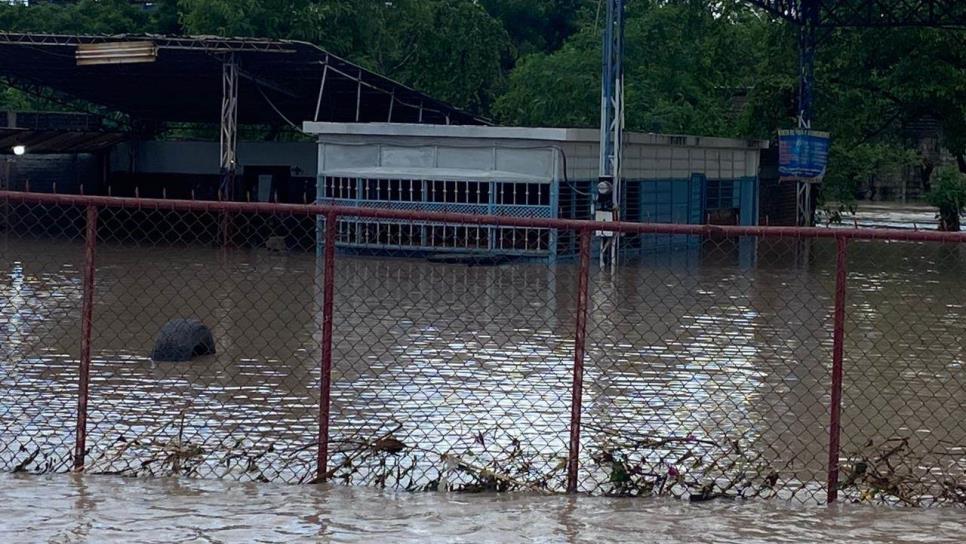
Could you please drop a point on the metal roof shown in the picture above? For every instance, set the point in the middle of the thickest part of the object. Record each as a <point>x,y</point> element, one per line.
<point>53,141</point>
<point>279,79</point>
<point>56,132</point>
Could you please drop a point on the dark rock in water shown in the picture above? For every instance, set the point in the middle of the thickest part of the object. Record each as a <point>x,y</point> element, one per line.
<point>183,340</point>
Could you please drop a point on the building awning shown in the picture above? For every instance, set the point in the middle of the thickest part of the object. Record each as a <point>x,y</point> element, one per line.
<point>55,141</point>
<point>179,79</point>
<point>56,132</point>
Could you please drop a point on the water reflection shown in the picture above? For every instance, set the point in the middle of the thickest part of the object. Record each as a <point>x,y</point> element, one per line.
<point>730,351</point>
<point>105,509</point>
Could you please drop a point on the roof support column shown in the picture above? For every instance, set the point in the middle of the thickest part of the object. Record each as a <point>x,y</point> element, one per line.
<point>229,125</point>
<point>318,103</point>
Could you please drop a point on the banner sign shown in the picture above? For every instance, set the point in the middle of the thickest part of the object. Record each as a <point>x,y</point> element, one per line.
<point>802,154</point>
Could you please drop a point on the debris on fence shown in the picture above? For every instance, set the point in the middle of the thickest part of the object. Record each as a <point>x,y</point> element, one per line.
<point>483,462</point>
<point>702,376</point>
<point>893,472</point>
<point>698,469</point>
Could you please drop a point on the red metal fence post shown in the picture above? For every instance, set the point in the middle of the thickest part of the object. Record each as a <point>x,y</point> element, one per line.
<point>325,383</point>
<point>838,346</point>
<point>87,313</point>
<point>580,340</point>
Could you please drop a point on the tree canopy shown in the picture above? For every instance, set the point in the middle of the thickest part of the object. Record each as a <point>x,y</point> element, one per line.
<point>693,66</point>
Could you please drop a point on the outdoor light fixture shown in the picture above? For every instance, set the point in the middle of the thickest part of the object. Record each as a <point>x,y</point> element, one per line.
<point>19,150</point>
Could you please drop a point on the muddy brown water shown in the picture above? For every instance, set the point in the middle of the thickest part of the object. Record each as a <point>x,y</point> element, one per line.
<point>103,509</point>
<point>722,348</point>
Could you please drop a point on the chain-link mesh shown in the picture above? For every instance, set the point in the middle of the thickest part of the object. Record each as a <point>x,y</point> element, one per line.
<point>707,361</point>
<point>40,314</point>
<point>708,372</point>
<point>250,410</point>
<point>904,403</point>
<point>459,374</point>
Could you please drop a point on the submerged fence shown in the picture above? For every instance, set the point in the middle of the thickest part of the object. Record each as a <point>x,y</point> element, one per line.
<point>802,364</point>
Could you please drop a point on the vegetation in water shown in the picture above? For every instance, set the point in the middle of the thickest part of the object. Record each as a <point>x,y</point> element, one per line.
<point>949,195</point>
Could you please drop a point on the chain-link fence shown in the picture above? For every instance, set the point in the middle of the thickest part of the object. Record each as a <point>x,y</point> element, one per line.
<point>714,362</point>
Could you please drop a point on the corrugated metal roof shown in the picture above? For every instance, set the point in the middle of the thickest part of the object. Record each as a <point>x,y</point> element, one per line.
<point>58,141</point>
<point>184,83</point>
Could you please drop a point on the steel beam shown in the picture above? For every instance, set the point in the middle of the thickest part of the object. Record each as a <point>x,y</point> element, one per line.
<point>229,123</point>
<point>577,225</point>
<point>211,44</point>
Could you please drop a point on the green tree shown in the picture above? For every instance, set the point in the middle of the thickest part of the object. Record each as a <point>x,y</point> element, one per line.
<point>684,63</point>
<point>82,17</point>
<point>949,195</point>
<point>451,49</point>
<point>539,26</point>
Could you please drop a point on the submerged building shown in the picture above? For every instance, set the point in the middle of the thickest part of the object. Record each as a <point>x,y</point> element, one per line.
<point>376,144</point>
<point>523,172</point>
<point>472,170</point>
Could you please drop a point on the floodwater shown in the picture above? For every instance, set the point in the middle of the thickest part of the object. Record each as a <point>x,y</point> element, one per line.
<point>707,374</point>
<point>895,215</point>
<point>102,509</point>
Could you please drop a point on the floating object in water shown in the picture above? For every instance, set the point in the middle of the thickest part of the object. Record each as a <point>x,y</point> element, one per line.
<point>183,340</point>
<point>471,259</point>
<point>389,444</point>
<point>276,243</point>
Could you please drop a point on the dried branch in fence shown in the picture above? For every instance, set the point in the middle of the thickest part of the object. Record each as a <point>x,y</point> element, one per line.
<point>699,469</point>
<point>895,472</point>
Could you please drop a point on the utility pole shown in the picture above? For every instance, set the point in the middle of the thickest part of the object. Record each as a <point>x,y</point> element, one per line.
<point>610,186</point>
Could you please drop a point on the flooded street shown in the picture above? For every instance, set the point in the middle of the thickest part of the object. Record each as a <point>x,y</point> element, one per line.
<point>69,509</point>
<point>707,375</point>
<point>894,215</point>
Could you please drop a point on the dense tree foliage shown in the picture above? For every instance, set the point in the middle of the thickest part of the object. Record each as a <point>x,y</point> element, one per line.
<point>693,66</point>
<point>450,49</point>
<point>949,196</point>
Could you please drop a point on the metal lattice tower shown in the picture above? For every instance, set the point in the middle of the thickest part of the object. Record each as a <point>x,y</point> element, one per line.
<point>612,114</point>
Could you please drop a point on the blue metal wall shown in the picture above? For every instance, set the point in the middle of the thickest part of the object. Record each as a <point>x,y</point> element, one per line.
<point>675,201</point>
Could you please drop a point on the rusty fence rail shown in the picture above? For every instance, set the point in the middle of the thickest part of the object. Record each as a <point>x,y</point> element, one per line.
<point>801,364</point>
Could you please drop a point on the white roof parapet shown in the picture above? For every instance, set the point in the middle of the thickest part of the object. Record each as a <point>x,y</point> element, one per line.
<point>564,135</point>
